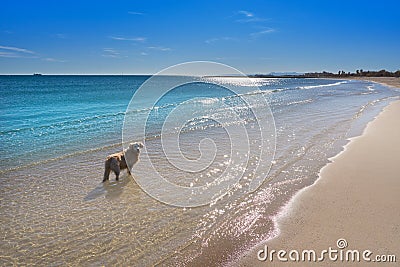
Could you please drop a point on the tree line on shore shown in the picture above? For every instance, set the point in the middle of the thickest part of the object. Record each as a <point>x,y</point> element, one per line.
<point>340,73</point>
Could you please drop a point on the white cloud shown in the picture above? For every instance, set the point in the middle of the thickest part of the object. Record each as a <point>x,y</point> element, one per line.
<point>110,52</point>
<point>8,54</point>
<point>253,19</point>
<point>16,49</point>
<point>246,16</point>
<point>144,54</point>
<point>263,32</point>
<point>159,48</point>
<point>16,52</point>
<point>135,13</point>
<point>213,40</point>
<point>246,13</point>
<point>135,39</point>
<point>50,59</point>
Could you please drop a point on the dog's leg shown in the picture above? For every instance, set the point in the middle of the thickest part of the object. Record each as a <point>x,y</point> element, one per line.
<point>106,175</point>
<point>106,171</point>
<point>114,165</point>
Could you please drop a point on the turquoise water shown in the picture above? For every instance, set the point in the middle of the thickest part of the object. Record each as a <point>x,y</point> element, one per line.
<point>47,117</point>
<point>55,132</point>
<point>51,116</point>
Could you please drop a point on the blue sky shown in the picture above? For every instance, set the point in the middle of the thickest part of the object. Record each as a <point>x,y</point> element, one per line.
<point>143,37</point>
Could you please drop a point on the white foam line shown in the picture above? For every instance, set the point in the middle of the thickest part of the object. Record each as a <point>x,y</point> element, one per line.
<point>322,85</point>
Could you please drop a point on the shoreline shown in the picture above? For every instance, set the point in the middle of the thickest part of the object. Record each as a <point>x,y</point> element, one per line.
<point>392,82</point>
<point>318,218</point>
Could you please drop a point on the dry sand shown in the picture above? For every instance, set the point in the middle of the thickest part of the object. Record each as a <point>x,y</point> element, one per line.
<point>356,198</point>
<point>389,81</point>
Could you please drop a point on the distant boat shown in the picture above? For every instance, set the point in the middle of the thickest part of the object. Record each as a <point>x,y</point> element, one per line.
<point>37,74</point>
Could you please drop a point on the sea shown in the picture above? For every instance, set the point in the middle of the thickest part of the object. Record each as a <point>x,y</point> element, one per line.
<point>57,130</point>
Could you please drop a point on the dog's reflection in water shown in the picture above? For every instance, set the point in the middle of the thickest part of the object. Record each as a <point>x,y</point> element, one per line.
<point>109,189</point>
<point>115,188</point>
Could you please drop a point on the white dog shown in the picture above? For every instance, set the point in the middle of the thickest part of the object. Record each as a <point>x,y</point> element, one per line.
<point>122,160</point>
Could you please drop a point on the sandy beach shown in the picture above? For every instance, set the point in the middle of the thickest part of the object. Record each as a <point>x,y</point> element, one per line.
<point>356,199</point>
<point>388,81</point>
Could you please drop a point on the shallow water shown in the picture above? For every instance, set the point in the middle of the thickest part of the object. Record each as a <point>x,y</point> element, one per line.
<point>57,130</point>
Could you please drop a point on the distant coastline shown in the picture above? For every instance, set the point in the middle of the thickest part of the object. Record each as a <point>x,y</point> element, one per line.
<point>341,74</point>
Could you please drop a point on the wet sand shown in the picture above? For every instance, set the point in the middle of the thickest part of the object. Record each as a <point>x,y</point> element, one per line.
<point>356,198</point>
